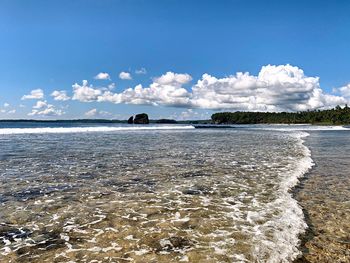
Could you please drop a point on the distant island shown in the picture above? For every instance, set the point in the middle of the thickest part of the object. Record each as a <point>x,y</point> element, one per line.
<point>335,116</point>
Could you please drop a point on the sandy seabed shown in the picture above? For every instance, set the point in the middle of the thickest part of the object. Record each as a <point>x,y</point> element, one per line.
<point>325,196</point>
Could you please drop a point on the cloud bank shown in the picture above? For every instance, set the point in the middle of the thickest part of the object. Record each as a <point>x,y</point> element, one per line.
<point>275,88</point>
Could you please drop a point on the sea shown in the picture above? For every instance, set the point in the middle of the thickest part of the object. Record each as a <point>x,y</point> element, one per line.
<point>162,193</point>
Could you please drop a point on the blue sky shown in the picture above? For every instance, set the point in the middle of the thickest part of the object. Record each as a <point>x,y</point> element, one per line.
<point>51,45</point>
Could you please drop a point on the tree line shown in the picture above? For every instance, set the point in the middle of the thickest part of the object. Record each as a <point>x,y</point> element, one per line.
<point>335,116</point>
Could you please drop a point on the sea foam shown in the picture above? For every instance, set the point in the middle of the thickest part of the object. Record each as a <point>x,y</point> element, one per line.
<point>289,224</point>
<point>301,127</point>
<point>5,131</point>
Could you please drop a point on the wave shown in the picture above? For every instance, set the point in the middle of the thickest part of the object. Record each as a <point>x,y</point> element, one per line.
<point>301,127</point>
<point>5,131</point>
<point>290,223</point>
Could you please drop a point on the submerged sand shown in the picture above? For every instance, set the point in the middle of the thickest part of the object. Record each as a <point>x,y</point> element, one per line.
<point>325,196</point>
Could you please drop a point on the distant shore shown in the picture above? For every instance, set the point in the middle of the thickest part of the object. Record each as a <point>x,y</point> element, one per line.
<point>199,123</point>
<point>157,121</point>
<point>335,116</point>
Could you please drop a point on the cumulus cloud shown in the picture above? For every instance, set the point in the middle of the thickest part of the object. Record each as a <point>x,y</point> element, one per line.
<point>345,91</point>
<point>36,94</point>
<point>171,78</point>
<point>60,95</point>
<point>102,76</point>
<point>44,109</point>
<point>165,90</point>
<point>6,105</point>
<point>40,104</point>
<point>275,88</point>
<point>141,71</point>
<point>85,92</point>
<point>96,113</point>
<point>125,75</point>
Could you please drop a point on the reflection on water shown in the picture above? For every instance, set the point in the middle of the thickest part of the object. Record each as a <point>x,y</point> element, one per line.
<point>155,196</point>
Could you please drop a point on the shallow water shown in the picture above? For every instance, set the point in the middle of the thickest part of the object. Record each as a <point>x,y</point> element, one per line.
<point>151,196</point>
<point>325,196</point>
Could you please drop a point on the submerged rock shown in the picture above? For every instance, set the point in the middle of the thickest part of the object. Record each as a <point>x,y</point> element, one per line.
<point>141,118</point>
<point>11,233</point>
<point>198,190</point>
<point>193,174</point>
<point>191,192</point>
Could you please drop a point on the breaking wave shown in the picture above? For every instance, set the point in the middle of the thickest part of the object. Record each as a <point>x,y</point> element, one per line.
<point>289,224</point>
<point>5,131</point>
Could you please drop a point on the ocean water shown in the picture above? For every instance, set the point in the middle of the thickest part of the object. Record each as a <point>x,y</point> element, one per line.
<point>157,193</point>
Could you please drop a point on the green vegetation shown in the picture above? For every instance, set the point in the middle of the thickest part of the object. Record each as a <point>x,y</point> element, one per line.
<point>336,116</point>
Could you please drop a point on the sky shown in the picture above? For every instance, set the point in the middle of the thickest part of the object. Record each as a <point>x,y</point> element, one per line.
<point>171,59</point>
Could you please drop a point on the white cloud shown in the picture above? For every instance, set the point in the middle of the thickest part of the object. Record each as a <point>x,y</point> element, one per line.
<point>165,90</point>
<point>345,91</point>
<point>171,78</point>
<point>111,86</point>
<point>40,104</point>
<point>96,113</point>
<point>85,92</point>
<point>125,75</point>
<point>275,88</point>
<point>60,95</point>
<point>45,109</point>
<point>141,71</point>
<point>91,113</point>
<point>102,75</point>
<point>36,94</point>
<point>6,109</point>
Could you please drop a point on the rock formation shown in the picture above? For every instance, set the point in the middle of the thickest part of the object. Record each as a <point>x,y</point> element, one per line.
<point>141,119</point>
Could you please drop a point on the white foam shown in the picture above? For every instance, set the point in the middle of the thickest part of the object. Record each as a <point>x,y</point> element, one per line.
<point>290,223</point>
<point>300,127</point>
<point>5,131</point>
